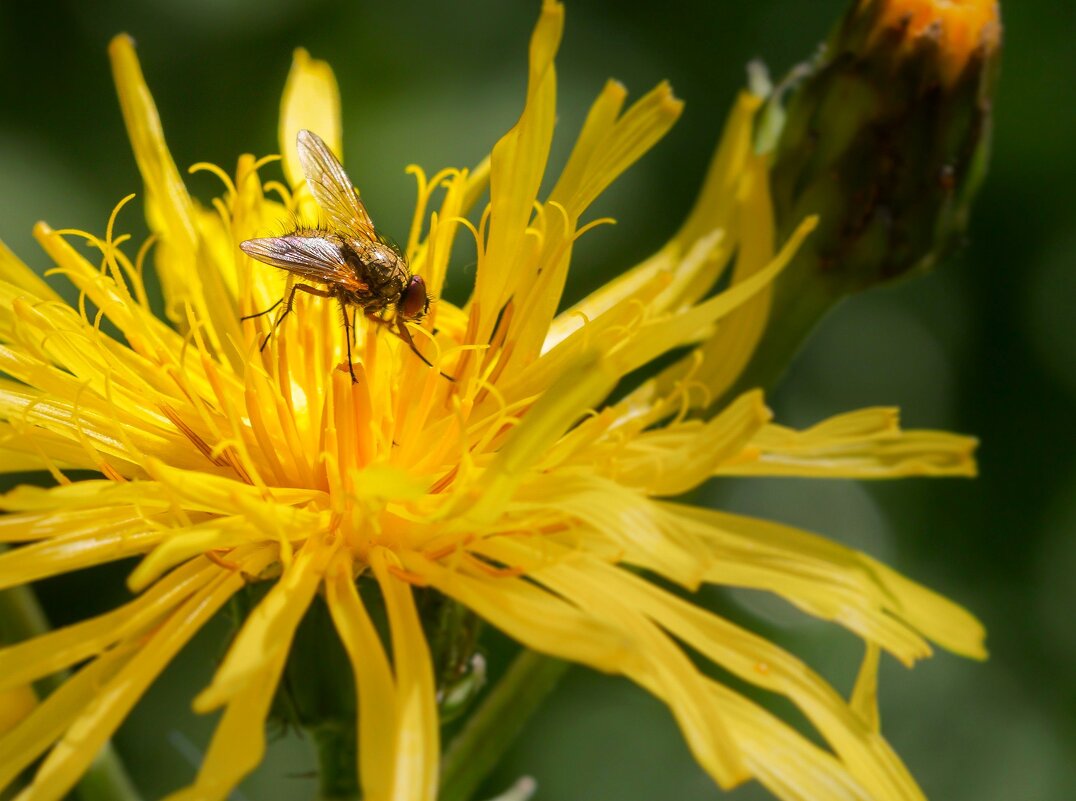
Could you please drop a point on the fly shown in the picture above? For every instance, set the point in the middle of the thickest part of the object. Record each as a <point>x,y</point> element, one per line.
<point>353,263</point>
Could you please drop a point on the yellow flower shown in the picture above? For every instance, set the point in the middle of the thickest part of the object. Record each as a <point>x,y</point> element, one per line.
<point>521,489</point>
<point>15,704</point>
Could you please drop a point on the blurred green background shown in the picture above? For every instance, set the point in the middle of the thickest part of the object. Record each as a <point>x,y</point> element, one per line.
<point>986,345</point>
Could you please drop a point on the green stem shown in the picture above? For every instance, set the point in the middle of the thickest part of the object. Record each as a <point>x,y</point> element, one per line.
<point>107,779</point>
<point>21,618</point>
<point>337,761</point>
<point>494,726</point>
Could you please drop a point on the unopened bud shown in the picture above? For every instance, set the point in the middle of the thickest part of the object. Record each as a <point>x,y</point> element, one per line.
<point>886,137</point>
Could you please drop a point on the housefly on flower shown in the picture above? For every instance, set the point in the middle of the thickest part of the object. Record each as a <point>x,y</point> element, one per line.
<point>352,262</point>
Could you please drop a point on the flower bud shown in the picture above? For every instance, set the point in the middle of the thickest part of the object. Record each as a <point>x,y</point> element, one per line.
<point>886,139</point>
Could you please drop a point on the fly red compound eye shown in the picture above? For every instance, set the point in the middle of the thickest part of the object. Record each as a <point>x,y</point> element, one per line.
<point>414,302</point>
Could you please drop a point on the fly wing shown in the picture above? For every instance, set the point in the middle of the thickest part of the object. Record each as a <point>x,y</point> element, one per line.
<point>331,187</point>
<point>313,257</point>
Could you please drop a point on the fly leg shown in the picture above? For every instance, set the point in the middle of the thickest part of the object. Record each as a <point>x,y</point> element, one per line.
<point>347,339</point>
<point>405,335</point>
<point>259,314</point>
<point>399,328</point>
<point>312,290</point>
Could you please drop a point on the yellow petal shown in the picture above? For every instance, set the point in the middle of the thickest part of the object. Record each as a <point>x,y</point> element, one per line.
<point>155,342</point>
<point>99,718</point>
<point>834,583</point>
<point>537,619</point>
<point>780,758</point>
<point>727,352</point>
<point>201,490</point>
<point>433,262</point>
<point>183,544</point>
<point>287,525</point>
<point>677,458</point>
<point>80,431</point>
<point>78,428</point>
<point>865,693</point>
<point>73,552</point>
<point>168,203</point>
<point>312,101</point>
<point>188,274</point>
<point>606,148</point>
<point>753,659</point>
<point>374,685</point>
<point>718,201</point>
<point>16,704</point>
<point>663,668</point>
<point>17,274</point>
<point>238,743</point>
<point>477,183</point>
<point>865,444</point>
<point>566,344</point>
<point>715,210</point>
<point>146,333</point>
<point>517,166</point>
<point>42,727</point>
<point>66,346</point>
<point>268,630</point>
<point>23,456</point>
<point>635,527</point>
<point>418,750</point>
<point>609,143</point>
<point>577,390</point>
<point>77,502</point>
<point>600,122</point>
<point>169,209</point>
<point>30,526</point>
<point>938,618</point>
<point>641,287</point>
<point>664,333</point>
<point>43,655</point>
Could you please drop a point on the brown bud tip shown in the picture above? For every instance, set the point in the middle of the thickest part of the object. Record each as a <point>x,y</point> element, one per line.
<point>958,29</point>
